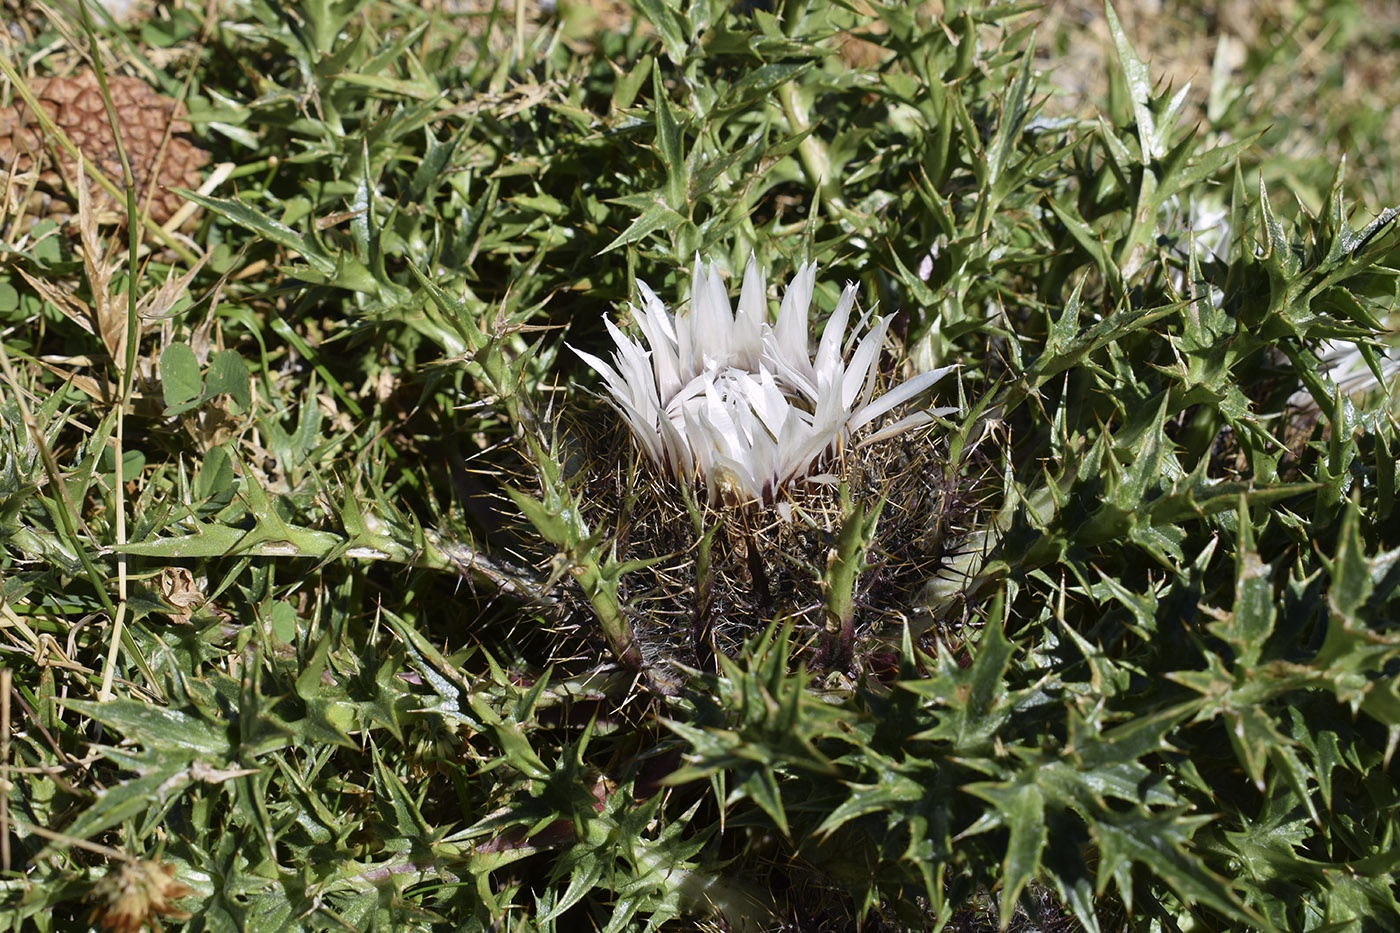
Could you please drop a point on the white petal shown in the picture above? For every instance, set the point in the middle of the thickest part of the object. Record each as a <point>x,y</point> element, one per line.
<point>688,353</point>
<point>677,451</point>
<point>771,406</point>
<point>695,388</point>
<point>721,433</point>
<point>711,320</point>
<point>908,423</point>
<point>615,383</point>
<point>727,409</point>
<point>723,460</point>
<point>644,432</point>
<point>633,365</point>
<point>636,406</point>
<point>625,344</point>
<point>800,378</point>
<point>800,452</point>
<point>791,331</point>
<point>860,327</point>
<point>750,317</point>
<point>860,371</point>
<point>829,352</point>
<point>660,337</point>
<point>656,309</point>
<point>897,396</point>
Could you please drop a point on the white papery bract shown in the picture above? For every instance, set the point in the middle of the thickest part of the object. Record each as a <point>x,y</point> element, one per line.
<point>737,401</point>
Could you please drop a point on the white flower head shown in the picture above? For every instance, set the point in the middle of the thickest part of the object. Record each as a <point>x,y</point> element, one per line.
<point>733,399</point>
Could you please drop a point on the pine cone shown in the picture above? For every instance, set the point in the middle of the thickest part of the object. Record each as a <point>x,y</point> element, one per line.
<point>75,104</point>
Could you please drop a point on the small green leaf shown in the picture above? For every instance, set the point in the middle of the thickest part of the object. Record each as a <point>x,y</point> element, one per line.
<point>180,382</point>
<point>1351,575</point>
<point>1139,86</point>
<point>653,218</point>
<point>670,145</point>
<point>282,620</point>
<point>986,687</point>
<point>668,26</point>
<point>128,799</point>
<point>159,728</point>
<point>761,785</point>
<point>588,865</point>
<point>1159,841</point>
<point>265,226</point>
<point>228,374</point>
<point>1020,807</point>
<point>628,83</point>
<point>214,481</point>
<point>551,526</point>
<point>1252,620</point>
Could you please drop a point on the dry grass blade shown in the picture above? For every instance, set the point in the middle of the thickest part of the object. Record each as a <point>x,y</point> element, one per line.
<point>72,307</point>
<point>157,304</point>
<point>109,311</point>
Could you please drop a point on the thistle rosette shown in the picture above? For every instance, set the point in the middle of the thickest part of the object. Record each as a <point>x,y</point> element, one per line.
<point>728,398</point>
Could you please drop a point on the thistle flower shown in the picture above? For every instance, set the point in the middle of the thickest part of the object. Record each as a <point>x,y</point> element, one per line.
<point>738,402</point>
<point>133,894</point>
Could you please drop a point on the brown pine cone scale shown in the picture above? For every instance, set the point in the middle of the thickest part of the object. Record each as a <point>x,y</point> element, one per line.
<point>75,104</point>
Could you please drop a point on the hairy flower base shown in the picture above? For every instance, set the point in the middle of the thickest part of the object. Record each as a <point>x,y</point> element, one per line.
<point>737,402</point>
<point>715,575</point>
